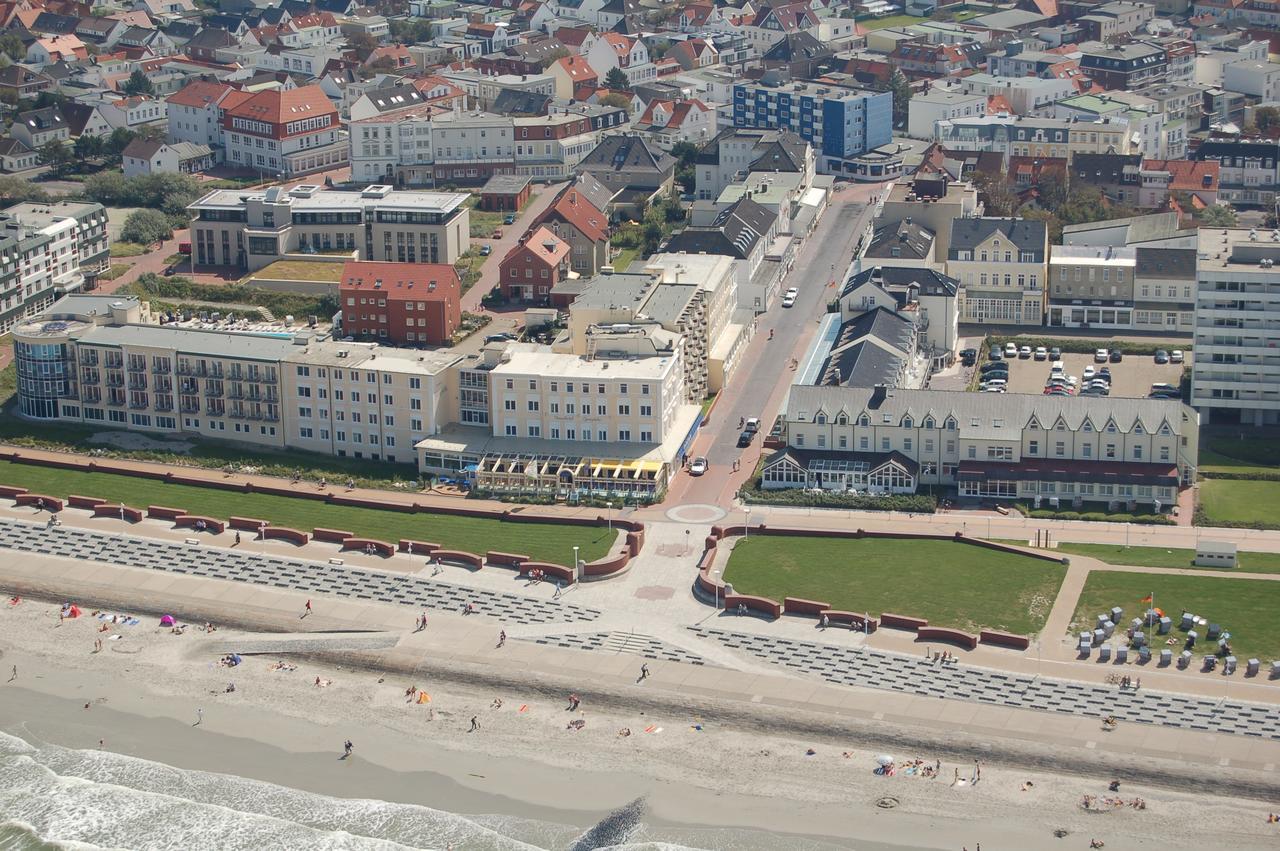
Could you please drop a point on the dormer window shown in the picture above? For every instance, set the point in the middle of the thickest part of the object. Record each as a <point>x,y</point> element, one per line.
<point>907,422</point>
<point>951,424</point>
<point>820,419</point>
<point>928,423</point>
<point>841,419</point>
<point>864,420</point>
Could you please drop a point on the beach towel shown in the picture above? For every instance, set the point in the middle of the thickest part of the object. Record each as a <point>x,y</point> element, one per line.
<point>423,697</point>
<point>524,707</point>
<point>653,728</point>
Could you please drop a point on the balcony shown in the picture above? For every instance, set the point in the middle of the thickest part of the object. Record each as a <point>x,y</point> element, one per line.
<point>161,369</point>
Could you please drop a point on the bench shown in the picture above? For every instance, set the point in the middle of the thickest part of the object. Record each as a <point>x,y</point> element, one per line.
<point>49,503</point>
<point>501,559</point>
<point>382,548</point>
<point>133,515</point>
<point>281,533</point>
<point>459,557</point>
<point>83,501</point>
<point>417,548</point>
<point>1004,639</point>
<point>797,606</point>
<point>246,523</point>
<point>966,640</point>
<point>11,491</point>
<point>902,621</point>
<point>855,620</point>
<point>756,604</point>
<point>161,512</point>
<point>552,571</point>
<point>189,521</point>
<point>335,536</point>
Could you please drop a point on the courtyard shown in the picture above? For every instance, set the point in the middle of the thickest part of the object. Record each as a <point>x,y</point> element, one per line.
<point>951,584</point>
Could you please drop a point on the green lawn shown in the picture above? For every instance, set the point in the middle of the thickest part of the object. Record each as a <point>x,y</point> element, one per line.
<point>1244,607</point>
<point>547,542</point>
<point>955,585</point>
<point>624,259</point>
<point>1164,557</point>
<point>1237,455</point>
<point>298,270</point>
<point>1240,501</point>
<point>890,21</point>
<point>128,249</point>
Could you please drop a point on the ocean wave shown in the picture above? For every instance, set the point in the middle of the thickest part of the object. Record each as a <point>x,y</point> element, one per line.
<point>20,836</point>
<point>110,799</point>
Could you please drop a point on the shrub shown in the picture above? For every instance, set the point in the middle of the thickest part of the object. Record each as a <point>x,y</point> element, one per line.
<point>145,227</point>
<point>910,503</point>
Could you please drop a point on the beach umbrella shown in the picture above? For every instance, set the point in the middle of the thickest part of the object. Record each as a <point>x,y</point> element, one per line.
<point>167,620</point>
<point>884,759</point>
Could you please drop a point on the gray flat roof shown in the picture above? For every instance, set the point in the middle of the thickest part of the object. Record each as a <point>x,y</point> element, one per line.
<point>191,341</point>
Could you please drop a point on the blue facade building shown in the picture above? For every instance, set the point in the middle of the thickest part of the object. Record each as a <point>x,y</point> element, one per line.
<point>841,123</point>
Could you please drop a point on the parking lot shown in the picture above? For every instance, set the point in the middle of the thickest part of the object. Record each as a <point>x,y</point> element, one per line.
<point>1133,376</point>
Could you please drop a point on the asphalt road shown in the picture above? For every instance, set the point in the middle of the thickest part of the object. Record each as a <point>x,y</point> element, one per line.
<point>758,386</point>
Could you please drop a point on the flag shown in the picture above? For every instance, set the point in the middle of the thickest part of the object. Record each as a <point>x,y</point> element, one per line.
<point>1149,598</point>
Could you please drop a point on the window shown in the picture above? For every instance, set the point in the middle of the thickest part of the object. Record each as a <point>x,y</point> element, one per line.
<point>1033,447</point>
<point>1110,450</point>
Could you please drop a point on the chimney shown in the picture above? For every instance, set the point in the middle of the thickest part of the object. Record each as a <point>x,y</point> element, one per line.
<point>878,394</point>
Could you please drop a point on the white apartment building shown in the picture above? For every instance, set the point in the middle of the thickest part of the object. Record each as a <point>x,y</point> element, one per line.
<point>1002,266</point>
<point>925,110</point>
<point>251,229</point>
<point>287,133</point>
<point>1259,79</point>
<point>46,251</point>
<point>1236,376</point>
<point>362,400</point>
<point>1054,451</point>
<point>196,111</point>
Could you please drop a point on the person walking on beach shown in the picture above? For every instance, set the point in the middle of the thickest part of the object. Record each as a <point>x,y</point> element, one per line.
<point>644,671</point>
<point>347,747</point>
<point>199,717</point>
<point>306,609</point>
<point>13,676</point>
<point>502,637</point>
<point>237,539</point>
<point>475,724</point>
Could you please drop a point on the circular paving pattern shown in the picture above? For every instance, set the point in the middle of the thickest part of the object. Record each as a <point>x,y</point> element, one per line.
<point>696,513</point>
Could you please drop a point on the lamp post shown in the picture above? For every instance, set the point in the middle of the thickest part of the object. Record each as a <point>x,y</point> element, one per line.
<point>262,530</point>
<point>122,512</point>
<point>746,529</point>
<point>609,509</point>
<point>575,564</point>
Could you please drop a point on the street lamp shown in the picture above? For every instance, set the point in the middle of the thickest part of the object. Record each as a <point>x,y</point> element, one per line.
<point>262,530</point>
<point>609,506</point>
<point>575,563</point>
<point>746,529</point>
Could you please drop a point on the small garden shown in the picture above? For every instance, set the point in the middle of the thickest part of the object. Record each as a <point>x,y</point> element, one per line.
<point>1240,479</point>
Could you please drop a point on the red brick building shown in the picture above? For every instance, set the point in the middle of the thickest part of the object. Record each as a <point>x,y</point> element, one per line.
<point>505,193</point>
<point>400,303</point>
<point>531,269</point>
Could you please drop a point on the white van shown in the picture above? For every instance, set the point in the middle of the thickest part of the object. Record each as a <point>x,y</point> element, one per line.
<point>1058,368</point>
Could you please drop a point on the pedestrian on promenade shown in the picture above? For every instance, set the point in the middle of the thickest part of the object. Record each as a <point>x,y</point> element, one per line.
<point>306,609</point>
<point>644,671</point>
<point>237,539</point>
<point>502,637</point>
<point>475,724</point>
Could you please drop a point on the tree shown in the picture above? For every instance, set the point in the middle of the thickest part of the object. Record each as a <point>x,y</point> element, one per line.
<point>995,193</point>
<point>616,99</point>
<point>119,140</point>
<point>1051,189</point>
<point>11,45</point>
<point>363,44</point>
<point>1051,221</point>
<point>1266,118</point>
<point>685,154</point>
<point>554,56</point>
<point>88,146</point>
<point>1217,216</point>
<point>145,227</point>
<point>15,190</point>
<point>900,86</point>
<point>139,84</point>
<point>617,81</point>
<point>54,154</point>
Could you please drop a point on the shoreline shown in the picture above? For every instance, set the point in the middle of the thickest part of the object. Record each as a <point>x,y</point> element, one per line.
<point>733,775</point>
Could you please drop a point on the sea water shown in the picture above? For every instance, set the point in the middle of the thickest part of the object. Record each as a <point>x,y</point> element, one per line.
<point>54,798</point>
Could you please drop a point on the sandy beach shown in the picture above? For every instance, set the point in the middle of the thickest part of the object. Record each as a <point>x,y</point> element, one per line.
<point>719,786</point>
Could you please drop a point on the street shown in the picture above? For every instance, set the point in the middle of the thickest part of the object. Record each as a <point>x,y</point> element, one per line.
<point>759,384</point>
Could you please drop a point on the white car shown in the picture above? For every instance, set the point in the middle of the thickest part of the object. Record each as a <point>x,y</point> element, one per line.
<point>1175,356</point>
<point>1010,350</point>
<point>1100,356</point>
<point>789,297</point>
<point>1089,372</point>
<point>698,466</point>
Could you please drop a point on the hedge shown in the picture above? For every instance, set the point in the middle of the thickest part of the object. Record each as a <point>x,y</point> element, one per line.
<point>1201,519</point>
<point>1096,516</point>
<point>912,504</point>
<point>1254,476</point>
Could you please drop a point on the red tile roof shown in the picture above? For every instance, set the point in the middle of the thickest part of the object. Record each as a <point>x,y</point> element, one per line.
<point>277,107</point>
<point>401,280</point>
<point>1188,175</point>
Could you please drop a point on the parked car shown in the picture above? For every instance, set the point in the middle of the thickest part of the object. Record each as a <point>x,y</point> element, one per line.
<point>993,383</point>
<point>1161,356</point>
<point>1024,353</point>
<point>698,466</point>
<point>1089,372</point>
<point>995,354</point>
<point>1100,356</point>
<point>1175,356</point>
<point>486,250</point>
<point>1010,350</point>
<point>993,390</point>
<point>789,300</point>
<point>1041,353</point>
<point>753,424</point>
<point>1160,387</point>
<point>500,337</point>
<point>994,366</point>
<point>497,233</point>
<point>746,437</point>
<point>968,357</point>
<point>1116,356</point>
<point>1055,353</point>
<point>510,219</point>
